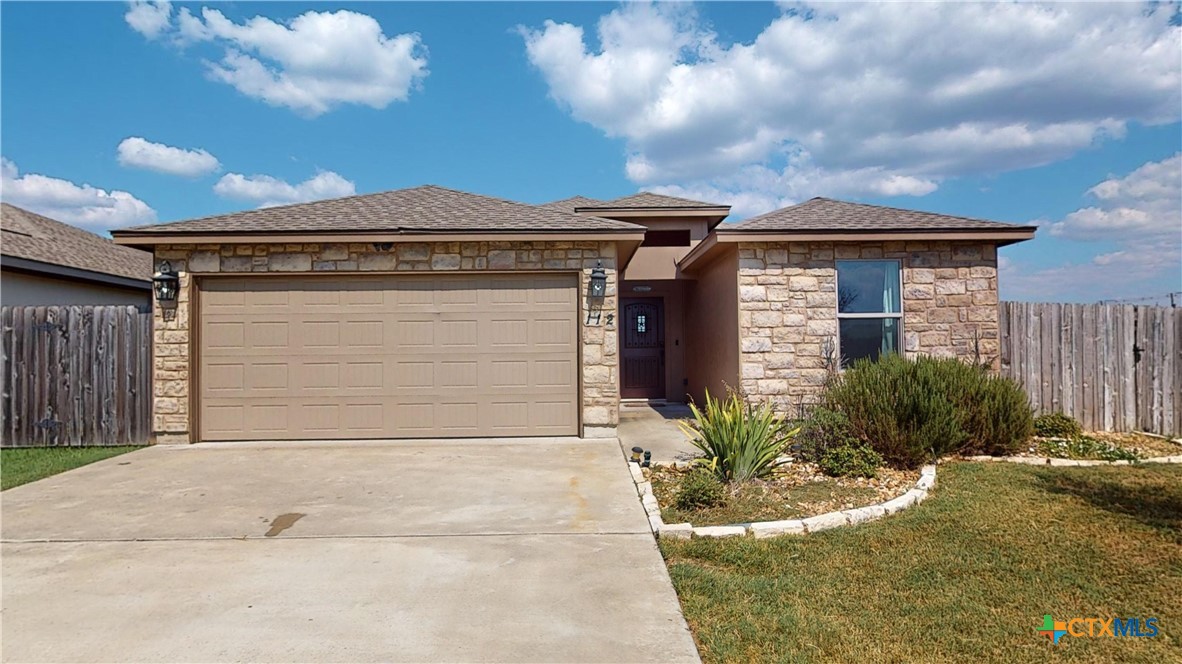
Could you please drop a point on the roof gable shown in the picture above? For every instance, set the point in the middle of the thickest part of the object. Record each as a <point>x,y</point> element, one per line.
<point>425,209</point>
<point>33,237</point>
<point>825,214</point>
<point>646,199</point>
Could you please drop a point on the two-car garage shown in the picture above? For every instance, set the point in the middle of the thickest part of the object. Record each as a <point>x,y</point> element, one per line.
<point>356,356</point>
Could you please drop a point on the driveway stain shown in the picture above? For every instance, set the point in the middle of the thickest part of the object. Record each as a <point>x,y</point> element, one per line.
<point>282,523</point>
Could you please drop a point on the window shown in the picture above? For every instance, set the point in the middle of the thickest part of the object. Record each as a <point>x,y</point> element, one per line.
<point>869,309</point>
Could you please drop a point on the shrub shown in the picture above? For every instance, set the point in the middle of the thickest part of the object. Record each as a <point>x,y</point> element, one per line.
<point>700,488</point>
<point>904,409</point>
<point>998,418</point>
<point>740,440</point>
<point>1085,447</point>
<point>1057,425</point>
<point>911,411</point>
<point>850,460</point>
<point>823,430</point>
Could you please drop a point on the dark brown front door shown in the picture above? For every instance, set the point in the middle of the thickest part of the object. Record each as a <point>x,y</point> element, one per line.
<point>642,349</point>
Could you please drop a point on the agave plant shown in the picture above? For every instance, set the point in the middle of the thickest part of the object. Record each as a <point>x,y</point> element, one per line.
<point>741,441</point>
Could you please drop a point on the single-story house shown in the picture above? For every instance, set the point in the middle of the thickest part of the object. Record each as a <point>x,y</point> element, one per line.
<point>429,312</point>
<point>45,262</point>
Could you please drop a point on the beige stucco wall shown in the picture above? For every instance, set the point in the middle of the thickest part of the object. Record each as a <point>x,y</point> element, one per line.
<point>24,289</point>
<point>661,262</point>
<point>788,308</point>
<point>712,329</point>
<point>173,371</point>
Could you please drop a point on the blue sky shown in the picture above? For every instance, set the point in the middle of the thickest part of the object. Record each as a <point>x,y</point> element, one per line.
<point>1062,115</point>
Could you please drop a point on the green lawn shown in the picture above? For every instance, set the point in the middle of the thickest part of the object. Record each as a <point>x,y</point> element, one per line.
<point>21,466</point>
<point>966,576</point>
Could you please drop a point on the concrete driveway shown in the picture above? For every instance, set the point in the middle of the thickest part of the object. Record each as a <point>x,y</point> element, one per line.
<point>482,551</point>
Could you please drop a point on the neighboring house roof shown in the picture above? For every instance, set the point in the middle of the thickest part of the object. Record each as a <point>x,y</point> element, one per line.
<point>826,214</point>
<point>33,242</point>
<point>427,209</point>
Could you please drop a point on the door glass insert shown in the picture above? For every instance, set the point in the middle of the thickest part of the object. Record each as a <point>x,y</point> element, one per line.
<point>641,324</point>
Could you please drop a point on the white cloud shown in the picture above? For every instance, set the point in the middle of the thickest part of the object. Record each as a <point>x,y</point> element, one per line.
<point>311,64</point>
<point>1141,214</point>
<point>1145,204</point>
<point>269,191</point>
<point>140,153</point>
<point>850,99</point>
<point>81,205</point>
<point>150,19</point>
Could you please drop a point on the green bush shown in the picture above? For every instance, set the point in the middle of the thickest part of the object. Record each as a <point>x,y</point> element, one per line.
<point>1085,447</point>
<point>700,488</point>
<point>913,411</point>
<point>1057,425</point>
<point>998,418</point>
<point>741,441</point>
<point>823,430</point>
<point>850,460</point>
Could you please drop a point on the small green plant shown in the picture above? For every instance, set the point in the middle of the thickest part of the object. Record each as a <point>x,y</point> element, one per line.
<point>997,417</point>
<point>700,488</point>
<point>1085,447</point>
<point>824,429</point>
<point>740,440</point>
<point>1057,425</point>
<point>850,460</point>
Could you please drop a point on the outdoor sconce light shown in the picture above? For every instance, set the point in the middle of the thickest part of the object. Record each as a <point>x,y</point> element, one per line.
<point>166,283</point>
<point>598,285</point>
<point>636,452</point>
<point>383,246</point>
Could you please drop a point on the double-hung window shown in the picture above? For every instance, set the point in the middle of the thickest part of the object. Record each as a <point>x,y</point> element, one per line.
<point>869,309</point>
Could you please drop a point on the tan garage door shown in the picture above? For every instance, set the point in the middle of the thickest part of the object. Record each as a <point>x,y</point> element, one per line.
<point>394,356</point>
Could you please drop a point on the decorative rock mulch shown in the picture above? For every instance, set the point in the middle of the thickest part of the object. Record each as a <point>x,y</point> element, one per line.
<point>848,517</point>
<point>1051,461</point>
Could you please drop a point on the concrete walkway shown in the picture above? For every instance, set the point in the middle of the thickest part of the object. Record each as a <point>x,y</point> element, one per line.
<point>339,553</point>
<point>655,428</point>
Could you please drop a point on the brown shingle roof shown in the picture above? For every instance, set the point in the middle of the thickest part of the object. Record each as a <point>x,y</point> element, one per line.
<point>426,209</point>
<point>646,200</point>
<point>33,237</point>
<point>824,214</point>
<point>570,204</point>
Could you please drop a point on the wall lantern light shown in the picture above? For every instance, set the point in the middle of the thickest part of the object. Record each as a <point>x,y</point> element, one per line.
<point>166,283</point>
<point>598,285</point>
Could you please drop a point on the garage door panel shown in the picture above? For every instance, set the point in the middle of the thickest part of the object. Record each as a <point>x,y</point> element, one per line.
<point>388,356</point>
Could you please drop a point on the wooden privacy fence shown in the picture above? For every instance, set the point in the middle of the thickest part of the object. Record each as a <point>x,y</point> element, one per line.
<point>75,376</point>
<point>1113,367</point>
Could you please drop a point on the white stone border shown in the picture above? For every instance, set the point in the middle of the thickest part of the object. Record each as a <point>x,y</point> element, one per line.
<point>1053,461</point>
<point>762,529</point>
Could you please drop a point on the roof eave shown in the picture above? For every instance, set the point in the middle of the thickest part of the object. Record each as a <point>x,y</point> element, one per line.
<point>78,274</point>
<point>152,238</point>
<point>721,237</point>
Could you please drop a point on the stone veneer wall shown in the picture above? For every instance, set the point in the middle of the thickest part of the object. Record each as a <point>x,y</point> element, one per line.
<point>172,359</point>
<point>788,308</point>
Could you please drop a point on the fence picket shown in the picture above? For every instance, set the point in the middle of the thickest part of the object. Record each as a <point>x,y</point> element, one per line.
<point>1079,360</point>
<point>75,376</point>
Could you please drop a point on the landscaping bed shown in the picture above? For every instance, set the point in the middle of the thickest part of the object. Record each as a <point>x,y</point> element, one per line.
<point>796,491</point>
<point>1104,446</point>
<point>967,578</point>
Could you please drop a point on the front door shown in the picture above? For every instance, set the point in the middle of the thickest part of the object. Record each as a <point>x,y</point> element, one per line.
<point>642,349</point>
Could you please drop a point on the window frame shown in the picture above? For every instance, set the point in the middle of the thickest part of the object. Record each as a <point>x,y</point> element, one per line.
<point>864,316</point>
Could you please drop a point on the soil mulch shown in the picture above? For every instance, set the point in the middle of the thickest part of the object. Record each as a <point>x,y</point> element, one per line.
<point>798,490</point>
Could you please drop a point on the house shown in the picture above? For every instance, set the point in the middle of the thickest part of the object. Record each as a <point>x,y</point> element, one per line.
<point>429,312</point>
<point>45,262</point>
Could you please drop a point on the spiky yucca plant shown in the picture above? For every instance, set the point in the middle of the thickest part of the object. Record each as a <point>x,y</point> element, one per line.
<point>741,441</point>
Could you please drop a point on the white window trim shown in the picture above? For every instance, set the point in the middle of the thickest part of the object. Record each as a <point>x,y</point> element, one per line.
<point>877,316</point>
